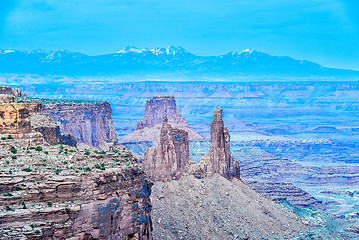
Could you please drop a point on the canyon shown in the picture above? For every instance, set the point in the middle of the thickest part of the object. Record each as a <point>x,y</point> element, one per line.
<point>175,176</point>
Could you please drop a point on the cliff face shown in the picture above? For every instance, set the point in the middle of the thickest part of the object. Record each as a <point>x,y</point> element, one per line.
<point>149,128</point>
<point>57,193</point>
<point>24,121</point>
<point>90,123</point>
<point>169,158</point>
<point>219,159</point>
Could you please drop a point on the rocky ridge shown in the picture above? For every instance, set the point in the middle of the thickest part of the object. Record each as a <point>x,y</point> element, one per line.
<point>149,128</point>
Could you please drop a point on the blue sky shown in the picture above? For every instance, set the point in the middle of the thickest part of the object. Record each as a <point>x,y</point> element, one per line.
<point>323,31</point>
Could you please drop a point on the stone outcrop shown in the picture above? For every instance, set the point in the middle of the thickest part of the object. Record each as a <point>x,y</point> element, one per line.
<point>149,128</point>
<point>219,159</point>
<point>15,117</point>
<point>65,193</point>
<point>90,123</point>
<point>23,120</point>
<point>168,160</point>
<point>10,91</point>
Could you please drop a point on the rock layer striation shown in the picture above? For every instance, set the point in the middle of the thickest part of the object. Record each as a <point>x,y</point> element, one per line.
<point>90,123</point>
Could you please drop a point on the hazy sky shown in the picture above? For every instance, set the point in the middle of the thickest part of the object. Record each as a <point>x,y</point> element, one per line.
<point>323,31</point>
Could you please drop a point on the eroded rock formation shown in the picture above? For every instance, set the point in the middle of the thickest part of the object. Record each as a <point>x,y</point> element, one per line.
<point>149,128</point>
<point>10,91</point>
<point>15,117</point>
<point>219,159</point>
<point>168,160</point>
<point>90,123</point>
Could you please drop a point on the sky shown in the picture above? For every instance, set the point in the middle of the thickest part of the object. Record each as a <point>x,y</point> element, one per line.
<point>322,31</point>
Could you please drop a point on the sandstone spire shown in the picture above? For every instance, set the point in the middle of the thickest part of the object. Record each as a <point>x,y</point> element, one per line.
<point>219,159</point>
<point>168,159</point>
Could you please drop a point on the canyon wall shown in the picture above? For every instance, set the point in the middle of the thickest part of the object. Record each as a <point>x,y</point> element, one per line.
<point>90,123</point>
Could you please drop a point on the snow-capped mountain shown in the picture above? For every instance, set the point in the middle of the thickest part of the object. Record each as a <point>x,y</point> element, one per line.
<point>132,60</point>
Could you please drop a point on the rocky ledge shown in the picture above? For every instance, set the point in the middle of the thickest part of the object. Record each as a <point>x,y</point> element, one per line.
<point>56,192</point>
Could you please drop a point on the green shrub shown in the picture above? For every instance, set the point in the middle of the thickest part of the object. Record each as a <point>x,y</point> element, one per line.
<point>49,204</point>
<point>46,152</point>
<point>38,148</point>
<point>27,169</point>
<point>13,150</point>
<point>32,148</point>
<point>23,205</point>
<point>3,138</point>
<point>87,152</point>
<point>37,231</point>
<point>8,208</point>
<point>14,157</point>
<point>18,188</point>
<point>10,137</point>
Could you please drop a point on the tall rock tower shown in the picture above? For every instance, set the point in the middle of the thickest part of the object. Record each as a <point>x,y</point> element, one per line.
<point>219,159</point>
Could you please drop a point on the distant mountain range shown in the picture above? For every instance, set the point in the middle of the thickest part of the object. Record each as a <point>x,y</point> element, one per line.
<point>132,60</point>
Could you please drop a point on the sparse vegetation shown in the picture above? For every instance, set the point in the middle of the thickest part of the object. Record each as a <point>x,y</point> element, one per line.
<point>3,138</point>
<point>49,204</point>
<point>10,137</point>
